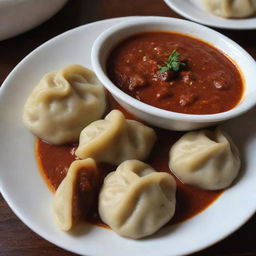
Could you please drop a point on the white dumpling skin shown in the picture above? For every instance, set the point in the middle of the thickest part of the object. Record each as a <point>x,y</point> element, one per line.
<point>206,159</point>
<point>230,8</point>
<point>63,103</point>
<point>136,201</point>
<point>115,139</point>
<point>71,193</point>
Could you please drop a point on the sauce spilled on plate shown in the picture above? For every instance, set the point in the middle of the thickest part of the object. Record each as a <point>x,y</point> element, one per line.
<point>54,161</point>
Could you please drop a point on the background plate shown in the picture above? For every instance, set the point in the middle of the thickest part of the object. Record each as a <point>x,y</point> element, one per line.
<point>190,10</point>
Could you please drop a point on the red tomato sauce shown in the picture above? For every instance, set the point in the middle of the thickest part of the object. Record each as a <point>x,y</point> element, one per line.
<point>54,161</point>
<point>210,83</point>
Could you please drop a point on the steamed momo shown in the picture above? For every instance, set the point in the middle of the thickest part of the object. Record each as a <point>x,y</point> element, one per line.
<point>206,159</point>
<point>63,103</point>
<point>135,200</point>
<point>230,8</point>
<point>79,188</point>
<point>115,139</point>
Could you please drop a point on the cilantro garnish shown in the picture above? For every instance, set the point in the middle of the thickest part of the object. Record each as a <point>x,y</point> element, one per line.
<point>173,63</point>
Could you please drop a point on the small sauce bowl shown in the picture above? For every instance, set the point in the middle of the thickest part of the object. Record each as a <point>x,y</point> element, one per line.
<point>164,118</point>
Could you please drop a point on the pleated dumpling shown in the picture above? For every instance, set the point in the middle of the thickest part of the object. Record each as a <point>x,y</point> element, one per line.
<point>205,159</point>
<point>136,201</point>
<point>63,103</point>
<point>231,8</point>
<point>115,139</point>
<point>77,194</point>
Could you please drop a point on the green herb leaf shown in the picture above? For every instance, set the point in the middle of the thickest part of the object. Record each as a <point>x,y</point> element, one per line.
<point>173,63</point>
<point>163,69</point>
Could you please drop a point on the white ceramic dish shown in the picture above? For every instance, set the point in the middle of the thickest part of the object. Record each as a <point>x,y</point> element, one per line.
<point>163,118</point>
<point>28,196</point>
<point>18,16</point>
<point>192,11</point>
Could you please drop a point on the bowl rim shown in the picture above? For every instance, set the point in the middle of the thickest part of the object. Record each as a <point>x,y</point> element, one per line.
<point>154,111</point>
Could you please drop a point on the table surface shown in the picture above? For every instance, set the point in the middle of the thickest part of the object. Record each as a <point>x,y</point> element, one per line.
<point>16,239</point>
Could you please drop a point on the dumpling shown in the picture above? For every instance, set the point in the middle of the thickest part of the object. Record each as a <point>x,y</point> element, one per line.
<point>231,8</point>
<point>63,103</point>
<point>205,159</point>
<point>115,139</point>
<point>77,194</point>
<point>136,201</point>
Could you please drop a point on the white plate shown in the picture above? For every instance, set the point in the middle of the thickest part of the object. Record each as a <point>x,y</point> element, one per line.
<point>28,196</point>
<point>192,11</point>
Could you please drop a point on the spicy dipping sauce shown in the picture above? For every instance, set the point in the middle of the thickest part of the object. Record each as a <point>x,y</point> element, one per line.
<point>175,72</point>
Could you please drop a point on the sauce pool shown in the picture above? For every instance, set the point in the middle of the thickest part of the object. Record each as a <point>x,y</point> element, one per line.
<point>54,161</point>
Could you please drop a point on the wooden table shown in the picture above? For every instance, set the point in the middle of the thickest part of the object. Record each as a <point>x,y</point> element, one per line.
<point>15,238</point>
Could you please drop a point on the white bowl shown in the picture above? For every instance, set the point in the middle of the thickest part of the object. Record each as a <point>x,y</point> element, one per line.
<point>18,16</point>
<point>163,118</point>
